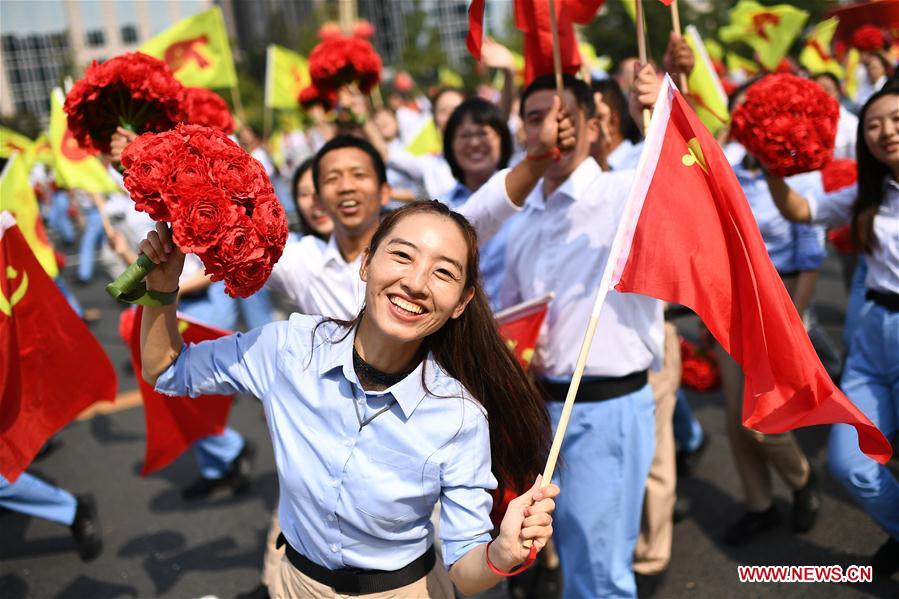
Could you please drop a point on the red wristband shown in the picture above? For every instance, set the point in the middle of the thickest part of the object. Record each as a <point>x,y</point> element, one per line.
<point>553,153</point>
<point>532,556</point>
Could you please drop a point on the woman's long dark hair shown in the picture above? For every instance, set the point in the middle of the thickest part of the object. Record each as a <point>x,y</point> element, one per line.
<point>871,176</point>
<point>470,349</point>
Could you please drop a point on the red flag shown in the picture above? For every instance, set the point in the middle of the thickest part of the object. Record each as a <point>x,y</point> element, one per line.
<point>533,19</point>
<point>520,326</point>
<point>882,13</point>
<point>475,37</point>
<point>51,366</point>
<point>695,242</point>
<point>174,423</point>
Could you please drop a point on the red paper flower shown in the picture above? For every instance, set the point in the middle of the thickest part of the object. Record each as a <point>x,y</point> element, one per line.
<point>788,123</point>
<point>699,367</point>
<point>839,173</point>
<point>868,38</point>
<point>363,29</point>
<point>132,90</point>
<point>218,198</point>
<point>340,61</point>
<point>204,107</point>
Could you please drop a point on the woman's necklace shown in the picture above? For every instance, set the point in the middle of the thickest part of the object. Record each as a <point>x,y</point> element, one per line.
<point>375,380</point>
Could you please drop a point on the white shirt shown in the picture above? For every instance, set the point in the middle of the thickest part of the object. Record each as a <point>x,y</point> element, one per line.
<point>561,245</point>
<point>835,209</point>
<point>316,278</point>
<point>847,130</point>
<point>625,156</point>
<point>431,170</point>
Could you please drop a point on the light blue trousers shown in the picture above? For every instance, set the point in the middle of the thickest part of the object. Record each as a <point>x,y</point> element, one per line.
<point>30,495</point>
<point>871,381</point>
<point>602,473</point>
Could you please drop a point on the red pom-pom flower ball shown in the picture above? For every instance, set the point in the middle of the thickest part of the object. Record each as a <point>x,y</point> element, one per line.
<point>340,61</point>
<point>788,123</point>
<point>218,199</point>
<point>868,38</point>
<point>205,107</point>
<point>133,90</point>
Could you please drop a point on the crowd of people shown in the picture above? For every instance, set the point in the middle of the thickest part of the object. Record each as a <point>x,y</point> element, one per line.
<point>399,418</point>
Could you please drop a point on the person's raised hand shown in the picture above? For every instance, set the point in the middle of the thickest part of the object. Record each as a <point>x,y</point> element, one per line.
<point>119,141</point>
<point>528,518</point>
<point>679,58</point>
<point>496,56</point>
<point>169,260</point>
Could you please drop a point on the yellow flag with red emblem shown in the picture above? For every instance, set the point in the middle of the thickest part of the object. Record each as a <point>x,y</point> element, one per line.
<point>197,50</point>
<point>769,30</point>
<point>706,92</point>
<point>10,142</point>
<point>286,74</point>
<point>74,168</point>
<point>39,151</point>
<point>816,55</point>
<point>17,197</point>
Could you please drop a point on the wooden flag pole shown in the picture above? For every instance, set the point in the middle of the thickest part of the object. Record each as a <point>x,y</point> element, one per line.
<point>675,24</point>
<point>641,52</point>
<point>557,50</point>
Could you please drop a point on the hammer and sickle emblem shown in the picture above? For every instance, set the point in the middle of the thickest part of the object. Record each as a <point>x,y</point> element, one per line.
<point>694,156</point>
<point>6,305</point>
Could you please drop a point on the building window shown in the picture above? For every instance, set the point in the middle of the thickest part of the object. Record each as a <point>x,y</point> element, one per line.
<point>95,38</point>
<point>129,34</point>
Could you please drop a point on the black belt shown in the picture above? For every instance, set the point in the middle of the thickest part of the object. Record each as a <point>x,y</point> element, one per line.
<point>890,301</point>
<point>356,580</point>
<point>597,389</point>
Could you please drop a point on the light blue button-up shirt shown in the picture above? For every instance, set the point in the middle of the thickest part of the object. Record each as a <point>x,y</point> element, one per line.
<point>352,498</point>
<point>792,247</point>
<point>492,262</point>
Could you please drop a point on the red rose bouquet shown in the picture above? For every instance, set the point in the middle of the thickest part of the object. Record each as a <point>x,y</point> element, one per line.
<point>205,107</point>
<point>133,90</point>
<point>868,38</point>
<point>699,367</point>
<point>218,199</point>
<point>340,61</point>
<point>788,123</point>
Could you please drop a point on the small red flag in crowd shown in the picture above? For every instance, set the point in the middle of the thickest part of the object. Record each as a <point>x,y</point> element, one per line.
<point>520,327</point>
<point>691,239</point>
<point>51,366</point>
<point>174,423</point>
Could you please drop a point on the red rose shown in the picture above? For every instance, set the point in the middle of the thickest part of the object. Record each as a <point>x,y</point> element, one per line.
<point>788,123</point>
<point>202,221</point>
<point>271,222</point>
<point>205,107</point>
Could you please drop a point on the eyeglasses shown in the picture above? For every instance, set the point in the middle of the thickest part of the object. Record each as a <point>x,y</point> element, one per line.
<point>483,134</point>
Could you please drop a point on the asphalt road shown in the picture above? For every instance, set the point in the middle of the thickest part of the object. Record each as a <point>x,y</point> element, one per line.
<point>156,545</point>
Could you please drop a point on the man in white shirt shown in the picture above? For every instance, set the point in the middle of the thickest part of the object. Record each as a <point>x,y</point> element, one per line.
<point>560,244</point>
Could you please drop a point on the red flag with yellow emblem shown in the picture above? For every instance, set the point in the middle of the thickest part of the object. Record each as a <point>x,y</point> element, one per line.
<point>690,238</point>
<point>174,423</point>
<point>520,327</point>
<point>51,366</point>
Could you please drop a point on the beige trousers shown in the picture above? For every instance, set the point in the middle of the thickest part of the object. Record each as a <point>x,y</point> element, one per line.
<point>754,451</point>
<point>271,562</point>
<point>293,584</point>
<point>653,550</point>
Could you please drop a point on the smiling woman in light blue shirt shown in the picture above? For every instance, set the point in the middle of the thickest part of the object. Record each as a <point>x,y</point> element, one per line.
<point>373,421</point>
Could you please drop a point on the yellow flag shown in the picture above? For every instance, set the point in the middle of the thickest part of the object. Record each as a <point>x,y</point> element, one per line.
<point>706,92</point>
<point>734,63</point>
<point>17,196</point>
<point>714,50</point>
<point>816,55</point>
<point>852,59</point>
<point>39,151</point>
<point>75,168</point>
<point>769,30</point>
<point>630,7</point>
<point>427,141</point>
<point>197,50</point>
<point>446,77</point>
<point>286,74</point>
<point>10,142</point>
